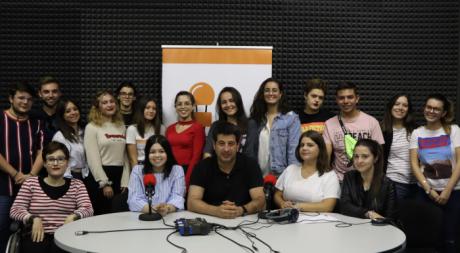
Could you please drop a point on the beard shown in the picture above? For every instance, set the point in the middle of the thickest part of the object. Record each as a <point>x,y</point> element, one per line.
<point>45,103</point>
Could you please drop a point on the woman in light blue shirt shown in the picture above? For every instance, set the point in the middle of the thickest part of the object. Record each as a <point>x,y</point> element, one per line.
<point>170,182</point>
<point>278,129</point>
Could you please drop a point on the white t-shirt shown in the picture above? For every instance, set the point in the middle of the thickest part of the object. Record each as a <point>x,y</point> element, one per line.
<point>398,169</point>
<point>436,153</point>
<point>313,189</point>
<point>264,150</point>
<point>133,137</point>
<point>77,159</point>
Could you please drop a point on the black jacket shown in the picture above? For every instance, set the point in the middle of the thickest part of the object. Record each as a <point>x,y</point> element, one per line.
<point>355,202</point>
<point>388,138</point>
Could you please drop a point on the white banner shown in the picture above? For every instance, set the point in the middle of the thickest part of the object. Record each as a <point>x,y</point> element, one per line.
<point>204,71</point>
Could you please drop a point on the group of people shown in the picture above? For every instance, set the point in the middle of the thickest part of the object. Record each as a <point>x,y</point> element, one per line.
<point>347,162</point>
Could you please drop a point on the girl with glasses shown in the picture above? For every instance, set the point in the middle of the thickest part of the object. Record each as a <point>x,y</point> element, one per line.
<point>46,203</point>
<point>435,160</point>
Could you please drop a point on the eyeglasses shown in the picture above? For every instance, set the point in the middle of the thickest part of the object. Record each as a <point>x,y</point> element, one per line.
<point>124,94</point>
<point>433,109</point>
<point>54,160</point>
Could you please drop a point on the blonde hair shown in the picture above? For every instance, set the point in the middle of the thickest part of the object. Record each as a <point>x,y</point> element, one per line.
<point>95,115</point>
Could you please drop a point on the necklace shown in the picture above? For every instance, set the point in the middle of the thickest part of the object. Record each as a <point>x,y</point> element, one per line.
<point>184,123</point>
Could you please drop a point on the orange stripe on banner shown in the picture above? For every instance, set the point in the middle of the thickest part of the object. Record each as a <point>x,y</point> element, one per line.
<point>217,56</point>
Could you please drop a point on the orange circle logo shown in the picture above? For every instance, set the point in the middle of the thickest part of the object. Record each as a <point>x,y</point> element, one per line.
<point>204,95</point>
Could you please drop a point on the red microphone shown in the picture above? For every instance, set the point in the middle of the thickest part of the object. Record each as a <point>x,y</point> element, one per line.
<point>149,184</point>
<point>270,179</point>
<point>150,180</point>
<point>269,190</point>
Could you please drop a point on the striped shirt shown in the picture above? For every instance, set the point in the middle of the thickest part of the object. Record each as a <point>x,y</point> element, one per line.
<point>19,142</point>
<point>170,190</point>
<point>32,200</point>
<point>399,169</point>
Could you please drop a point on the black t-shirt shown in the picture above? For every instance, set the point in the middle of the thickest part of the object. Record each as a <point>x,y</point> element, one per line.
<point>49,123</point>
<point>128,119</point>
<point>219,186</point>
<point>54,192</point>
<point>314,122</point>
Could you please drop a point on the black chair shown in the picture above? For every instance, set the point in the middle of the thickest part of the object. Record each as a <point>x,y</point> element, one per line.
<point>421,222</point>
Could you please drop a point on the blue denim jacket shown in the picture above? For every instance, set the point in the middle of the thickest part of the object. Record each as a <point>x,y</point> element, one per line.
<point>284,137</point>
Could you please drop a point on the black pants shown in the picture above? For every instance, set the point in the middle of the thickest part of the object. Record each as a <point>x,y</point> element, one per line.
<point>103,205</point>
<point>45,246</point>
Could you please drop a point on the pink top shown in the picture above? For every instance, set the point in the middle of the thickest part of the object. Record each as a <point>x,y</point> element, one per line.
<point>363,126</point>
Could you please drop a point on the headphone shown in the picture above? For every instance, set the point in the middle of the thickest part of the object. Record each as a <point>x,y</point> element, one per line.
<point>290,215</point>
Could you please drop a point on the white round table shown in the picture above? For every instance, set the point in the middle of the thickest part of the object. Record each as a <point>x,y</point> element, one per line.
<point>286,238</point>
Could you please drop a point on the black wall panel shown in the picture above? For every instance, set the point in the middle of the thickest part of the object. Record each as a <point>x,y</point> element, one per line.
<point>38,39</point>
<point>383,46</point>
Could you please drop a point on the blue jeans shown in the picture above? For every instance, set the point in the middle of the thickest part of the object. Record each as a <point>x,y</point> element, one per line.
<point>451,217</point>
<point>405,191</point>
<point>5,205</point>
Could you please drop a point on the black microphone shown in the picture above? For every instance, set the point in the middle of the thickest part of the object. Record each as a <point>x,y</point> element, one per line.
<point>269,190</point>
<point>149,183</point>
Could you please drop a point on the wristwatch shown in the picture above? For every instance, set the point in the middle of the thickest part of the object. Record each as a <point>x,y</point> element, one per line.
<point>77,216</point>
<point>31,218</point>
<point>103,184</point>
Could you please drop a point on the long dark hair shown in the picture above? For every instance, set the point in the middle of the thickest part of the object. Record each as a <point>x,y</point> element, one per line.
<point>241,118</point>
<point>408,121</point>
<point>259,107</point>
<point>376,150</point>
<point>170,159</point>
<point>322,164</point>
<point>140,120</point>
<point>447,108</point>
<point>67,131</point>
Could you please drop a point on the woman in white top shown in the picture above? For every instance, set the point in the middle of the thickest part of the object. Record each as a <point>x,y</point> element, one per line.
<point>278,128</point>
<point>70,134</point>
<point>397,126</point>
<point>435,156</point>
<point>310,186</point>
<point>105,148</point>
<point>147,123</point>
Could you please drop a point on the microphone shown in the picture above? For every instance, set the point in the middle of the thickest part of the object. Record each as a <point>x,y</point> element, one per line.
<point>149,184</point>
<point>269,190</point>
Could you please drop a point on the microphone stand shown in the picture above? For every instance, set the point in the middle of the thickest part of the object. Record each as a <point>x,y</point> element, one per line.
<point>268,201</point>
<point>150,216</point>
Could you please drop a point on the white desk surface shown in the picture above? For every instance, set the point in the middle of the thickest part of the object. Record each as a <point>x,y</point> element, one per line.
<point>286,238</point>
